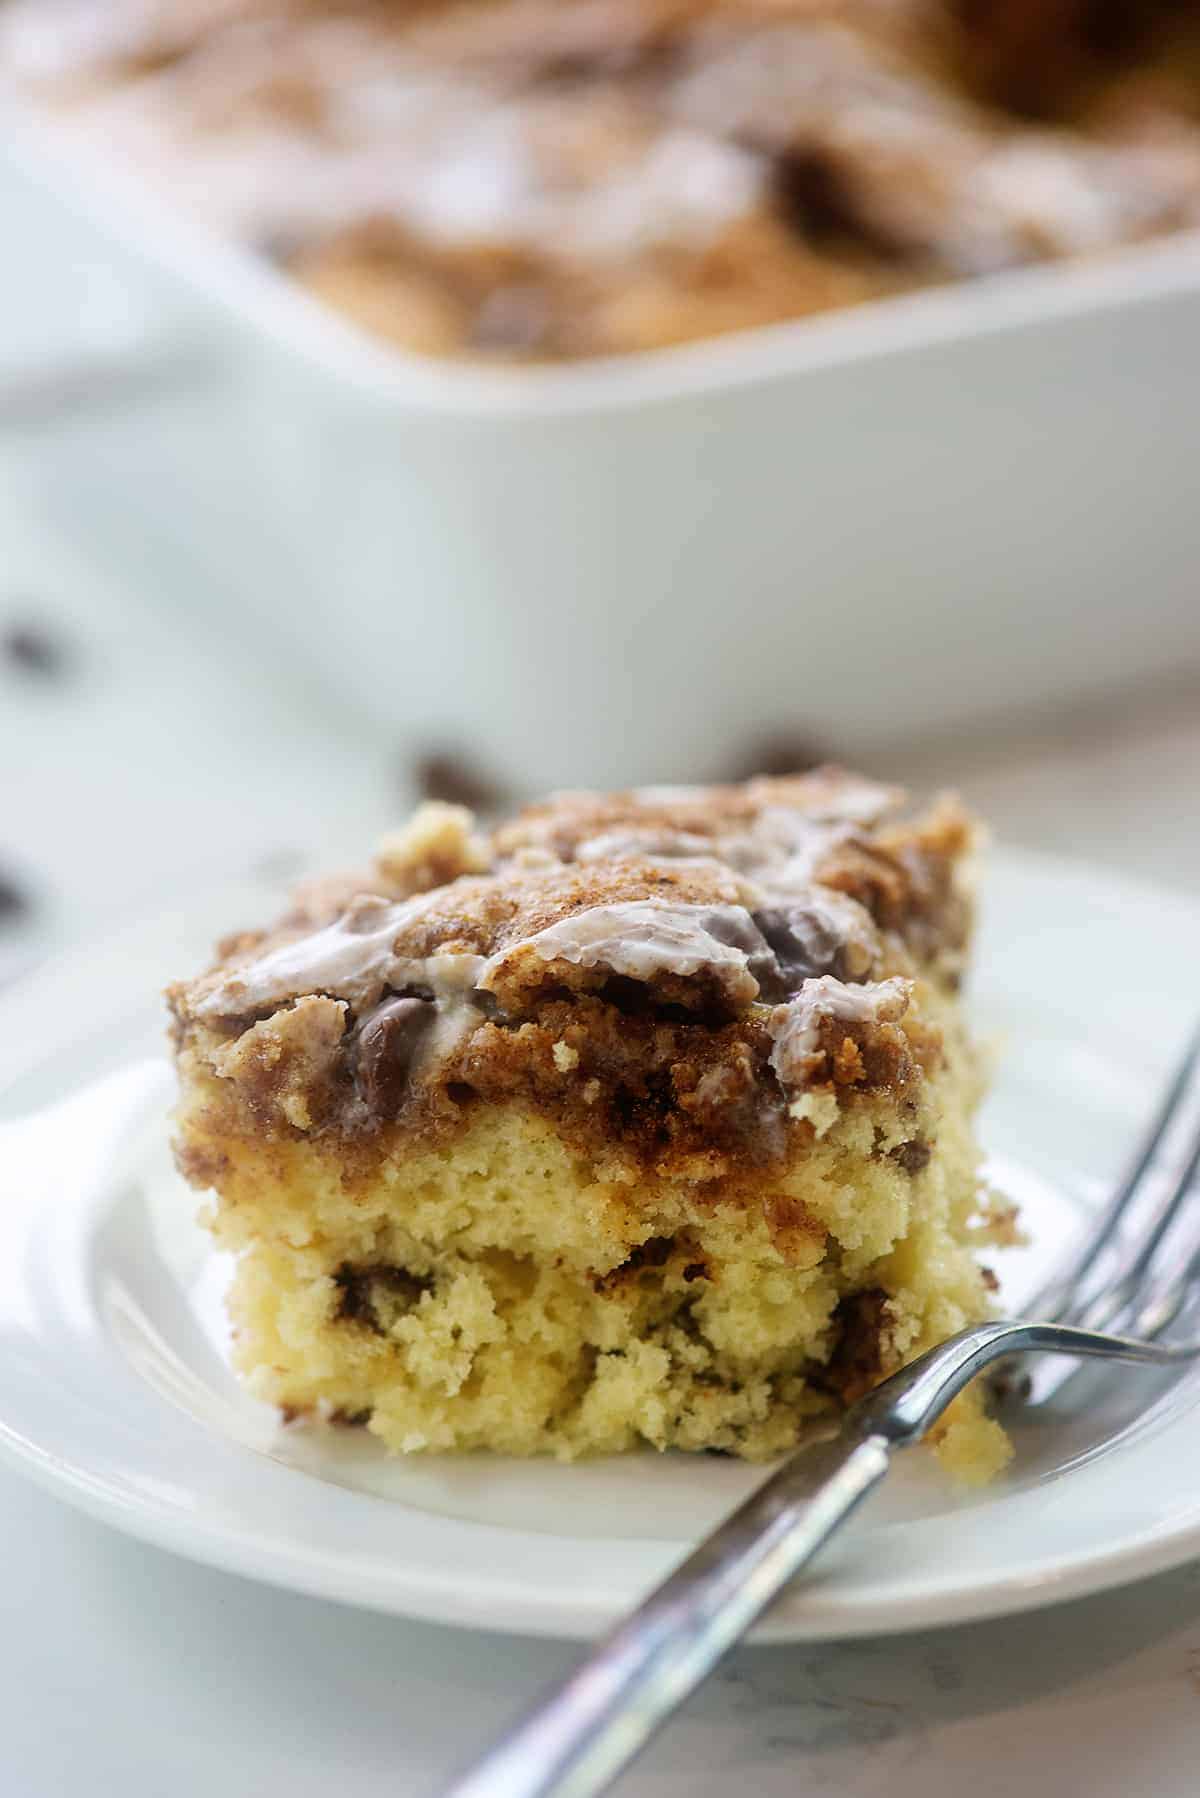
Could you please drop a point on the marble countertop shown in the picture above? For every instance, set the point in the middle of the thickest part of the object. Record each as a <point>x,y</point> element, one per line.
<point>126,1671</point>
<point>130,1672</point>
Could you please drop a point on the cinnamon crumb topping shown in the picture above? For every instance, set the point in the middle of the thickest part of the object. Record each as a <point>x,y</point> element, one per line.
<point>665,972</point>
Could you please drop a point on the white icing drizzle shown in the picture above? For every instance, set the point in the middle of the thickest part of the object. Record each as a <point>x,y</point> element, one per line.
<point>655,840</point>
<point>775,856</point>
<point>830,797</point>
<point>50,40</point>
<point>352,959</point>
<point>665,794</point>
<point>850,800</point>
<point>1068,199</point>
<point>781,850</point>
<point>451,979</point>
<point>643,938</point>
<point>347,959</point>
<point>500,178</point>
<point>796,1026</point>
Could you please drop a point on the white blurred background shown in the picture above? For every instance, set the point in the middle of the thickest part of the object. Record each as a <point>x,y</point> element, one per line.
<point>165,723</point>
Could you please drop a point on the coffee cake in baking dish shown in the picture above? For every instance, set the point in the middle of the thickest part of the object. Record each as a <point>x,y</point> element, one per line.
<point>522,179</point>
<point>644,1118</point>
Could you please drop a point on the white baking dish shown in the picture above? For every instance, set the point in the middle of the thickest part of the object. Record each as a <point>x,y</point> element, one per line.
<point>951,507</point>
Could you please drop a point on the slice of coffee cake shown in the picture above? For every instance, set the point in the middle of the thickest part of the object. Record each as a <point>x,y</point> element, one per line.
<point>643,1119</point>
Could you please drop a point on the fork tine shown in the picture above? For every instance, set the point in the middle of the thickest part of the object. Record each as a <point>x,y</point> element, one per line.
<point>1157,1310</point>
<point>1061,1297</point>
<point>1127,1294</point>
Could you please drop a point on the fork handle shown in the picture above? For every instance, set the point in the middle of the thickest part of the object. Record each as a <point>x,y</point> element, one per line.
<point>578,1739</point>
<point>576,1742</point>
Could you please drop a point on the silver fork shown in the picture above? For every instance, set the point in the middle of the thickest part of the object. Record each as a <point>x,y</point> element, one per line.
<point>1130,1273</point>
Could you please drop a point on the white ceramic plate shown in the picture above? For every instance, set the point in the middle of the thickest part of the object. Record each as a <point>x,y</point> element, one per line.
<point>114,1391</point>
